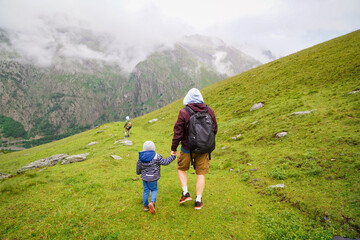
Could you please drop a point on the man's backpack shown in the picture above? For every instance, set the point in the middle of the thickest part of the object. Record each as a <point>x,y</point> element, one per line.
<point>129,125</point>
<point>201,132</point>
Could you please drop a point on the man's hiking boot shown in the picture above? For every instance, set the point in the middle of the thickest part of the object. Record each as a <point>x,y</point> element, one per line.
<point>198,205</point>
<point>152,207</point>
<point>146,209</point>
<point>185,198</point>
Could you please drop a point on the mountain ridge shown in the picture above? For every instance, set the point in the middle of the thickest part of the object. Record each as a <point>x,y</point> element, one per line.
<point>75,92</point>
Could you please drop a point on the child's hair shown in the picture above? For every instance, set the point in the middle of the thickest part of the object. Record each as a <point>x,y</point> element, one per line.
<point>149,146</point>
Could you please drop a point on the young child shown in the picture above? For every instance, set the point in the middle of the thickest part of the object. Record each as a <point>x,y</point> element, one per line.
<point>148,166</point>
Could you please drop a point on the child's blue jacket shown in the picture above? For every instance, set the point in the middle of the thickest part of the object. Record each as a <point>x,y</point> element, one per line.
<point>148,165</point>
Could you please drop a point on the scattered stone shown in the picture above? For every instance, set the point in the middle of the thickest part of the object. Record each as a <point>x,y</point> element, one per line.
<point>153,120</point>
<point>101,131</point>
<point>249,164</point>
<point>302,113</point>
<point>277,186</point>
<point>43,169</point>
<point>125,142</point>
<point>254,169</point>
<point>116,157</point>
<point>280,134</point>
<point>355,91</point>
<point>257,106</point>
<point>253,123</point>
<point>231,169</point>
<point>3,175</point>
<point>333,159</point>
<point>49,161</point>
<point>75,158</point>
<point>223,148</point>
<point>92,143</point>
<point>226,131</point>
<point>237,136</point>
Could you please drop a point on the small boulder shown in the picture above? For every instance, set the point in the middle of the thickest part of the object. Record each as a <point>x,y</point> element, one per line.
<point>92,143</point>
<point>236,137</point>
<point>355,91</point>
<point>3,175</point>
<point>302,113</point>
<point>277,186</point>
<point>280,134</point>
<point>153,120</point>
<point>257,106</point>
<point>75,158</point>
<point>124,142</point>
<point>116,157</point>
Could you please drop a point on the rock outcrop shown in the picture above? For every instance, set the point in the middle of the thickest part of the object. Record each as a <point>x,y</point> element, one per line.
<point>53,160</point>
<point>49,161</point>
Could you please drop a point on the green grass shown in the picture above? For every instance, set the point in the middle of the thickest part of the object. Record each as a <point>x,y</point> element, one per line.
<point>318,161</point>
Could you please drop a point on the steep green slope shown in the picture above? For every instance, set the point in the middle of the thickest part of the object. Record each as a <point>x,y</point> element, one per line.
<point>318,161</point>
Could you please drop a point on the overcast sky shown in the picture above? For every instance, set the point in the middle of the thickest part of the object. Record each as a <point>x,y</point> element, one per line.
<point>282,26</point>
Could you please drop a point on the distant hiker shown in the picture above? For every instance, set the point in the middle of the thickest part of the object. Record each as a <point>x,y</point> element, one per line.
<point>148,165</point>
<point>127,126</point>
<point>195,107</point>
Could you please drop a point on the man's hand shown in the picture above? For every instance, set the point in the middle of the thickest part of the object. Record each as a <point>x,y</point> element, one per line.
<point>173,153</point>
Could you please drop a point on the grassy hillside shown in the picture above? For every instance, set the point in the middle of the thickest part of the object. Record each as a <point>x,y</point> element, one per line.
<point>318,161</point>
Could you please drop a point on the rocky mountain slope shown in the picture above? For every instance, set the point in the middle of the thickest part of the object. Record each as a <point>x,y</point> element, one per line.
<point>72,94</point>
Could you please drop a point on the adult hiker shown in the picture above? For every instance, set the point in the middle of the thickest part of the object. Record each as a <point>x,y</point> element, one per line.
<point>194,103</point>
<point>127,126</point>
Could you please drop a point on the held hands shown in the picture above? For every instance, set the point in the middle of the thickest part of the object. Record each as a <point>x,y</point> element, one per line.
<point>173,153</point>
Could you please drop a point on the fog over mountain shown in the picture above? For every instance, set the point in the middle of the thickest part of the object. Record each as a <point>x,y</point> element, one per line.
<point>131,29</point>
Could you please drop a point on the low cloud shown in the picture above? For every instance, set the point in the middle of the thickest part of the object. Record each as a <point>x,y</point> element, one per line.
<point>86,30</point>
<point>126,31</point>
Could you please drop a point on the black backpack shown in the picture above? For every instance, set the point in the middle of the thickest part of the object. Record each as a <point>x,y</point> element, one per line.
<point>201,132</point>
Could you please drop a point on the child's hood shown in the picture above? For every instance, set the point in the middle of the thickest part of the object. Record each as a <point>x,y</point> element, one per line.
<point>146,156</point>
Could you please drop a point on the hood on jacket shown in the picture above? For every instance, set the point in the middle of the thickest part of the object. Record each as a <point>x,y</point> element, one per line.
<point>146,156</point>
<point>193,96</point>
<point>200,107</point>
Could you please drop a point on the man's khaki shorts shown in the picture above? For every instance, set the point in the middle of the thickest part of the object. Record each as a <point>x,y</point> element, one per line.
<point>201,161</point>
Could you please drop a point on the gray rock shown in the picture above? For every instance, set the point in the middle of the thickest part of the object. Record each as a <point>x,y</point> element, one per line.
<point>125,142</point>
<point>302,113</point>
<point>75,158</point>
<point>277,186</point>
<point>153,120</point>
<point>257,106</point>
<point>116,157</point>
<point>355,91</point>
<point>101,131</point>
<point>92,143</point>
<point>3,175</point>
<point>236,137</point>
<point>280,134</point>
<point>49,161</point>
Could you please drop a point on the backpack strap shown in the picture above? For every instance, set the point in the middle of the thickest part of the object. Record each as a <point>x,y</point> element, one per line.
<point>189,110</point>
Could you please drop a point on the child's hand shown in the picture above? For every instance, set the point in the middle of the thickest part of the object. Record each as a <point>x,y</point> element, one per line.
<point>173,153</point>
